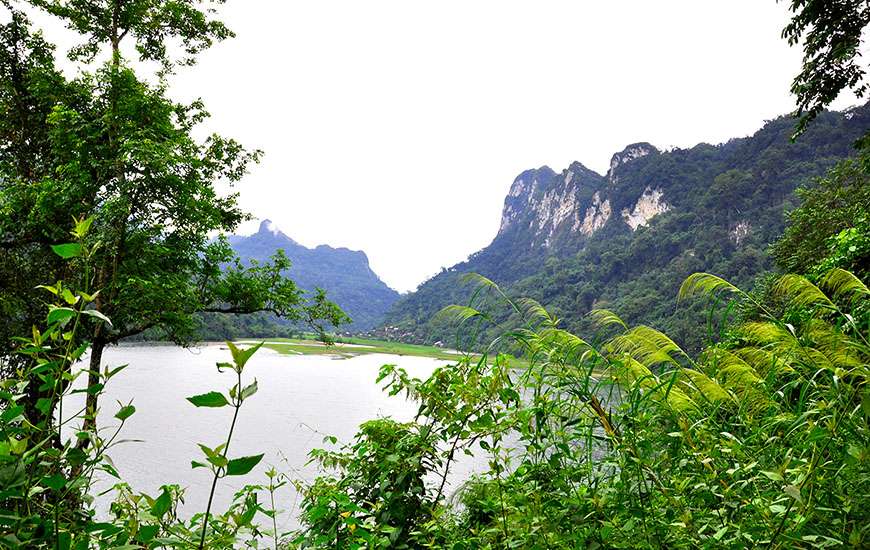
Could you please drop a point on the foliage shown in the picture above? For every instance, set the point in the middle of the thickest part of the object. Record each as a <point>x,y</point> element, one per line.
<point>48,471</point>
<point>831,34</point>
<point>745,183</point>
<point>627,439</point>
<point>830,228</point>
<point>112,147</point>
<point>760,440</point>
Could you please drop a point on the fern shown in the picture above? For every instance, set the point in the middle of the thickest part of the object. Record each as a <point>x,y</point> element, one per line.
<point>763,361</point>
<point>604,318</point>
<point>843,285</point>
<point>768,334</point>
<point>533,312</point>
<point>800,291</point>
<point>647,345</point>
<point>693,381</point>
<point>479,280</point>
<point>662,392</point>
<point>705,284</point>
<point>839,349</point>
<point>457,314</point>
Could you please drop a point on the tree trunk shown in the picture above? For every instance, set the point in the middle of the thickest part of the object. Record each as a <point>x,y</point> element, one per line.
<point>90,422</point>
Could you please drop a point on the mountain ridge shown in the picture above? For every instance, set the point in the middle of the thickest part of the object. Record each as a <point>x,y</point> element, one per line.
<point>345,274</point>
<point>577,239</point>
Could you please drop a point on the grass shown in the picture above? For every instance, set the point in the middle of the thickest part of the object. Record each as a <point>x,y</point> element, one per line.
<point>351,347</point>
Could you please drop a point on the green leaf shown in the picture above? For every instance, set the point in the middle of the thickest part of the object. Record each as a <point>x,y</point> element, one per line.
<point>161,504</point>
<point>241,356</point>
<point>248,391</point>
<point>68,297</point>
<point>55,482</point>
<point>148,532</point>
<point>221,366</point>
<point>777,508</point>
<point>794,492</point>
<point>76,456</point>
<point>109,373</point>
<point>772,475</point>
<point>17,446</point>
<point>64,540</point>
<point>218,460</point>
<point>125,412</point>
<point>207,451</point>
<point>97,315</point>
<point>59,314</point>
<point>51,289</point>
<point>67,250</point>
<point>210,399</point>
<point>241,466</point>
<point>82,226</point>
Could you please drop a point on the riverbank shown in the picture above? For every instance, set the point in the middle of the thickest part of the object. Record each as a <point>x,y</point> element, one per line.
<point>352,347</point>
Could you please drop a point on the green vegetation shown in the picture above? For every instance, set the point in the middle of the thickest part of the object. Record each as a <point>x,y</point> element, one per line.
<point>831,227</point>
<point>831,34</point>
<point>757,434</point>
<point>352,284</point>
<point>728,203</point>
<point>110,149</point>
<point>347,346</point>
<point>760,440</point>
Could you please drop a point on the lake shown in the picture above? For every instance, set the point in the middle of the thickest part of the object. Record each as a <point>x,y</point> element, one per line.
<point>301,399</point>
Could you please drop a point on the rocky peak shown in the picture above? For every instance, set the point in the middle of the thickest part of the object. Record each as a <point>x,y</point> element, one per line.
<point>631,152</point>
<point>543,204</point>
<point>268,226</point>
<point>525,184</point>
<point>522,193</point>
<point>268,229</point>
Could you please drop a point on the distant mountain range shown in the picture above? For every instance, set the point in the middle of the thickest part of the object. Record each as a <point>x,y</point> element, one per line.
<point>576,240</point>
<point>345,274</point>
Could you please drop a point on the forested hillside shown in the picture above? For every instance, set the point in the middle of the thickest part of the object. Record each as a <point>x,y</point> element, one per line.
<point>351,283</point>
<point>577,240</point>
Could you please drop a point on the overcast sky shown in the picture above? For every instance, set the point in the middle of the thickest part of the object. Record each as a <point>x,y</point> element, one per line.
<point>396,127</point>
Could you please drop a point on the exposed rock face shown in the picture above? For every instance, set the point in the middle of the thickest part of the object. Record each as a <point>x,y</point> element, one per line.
<point>521,194</point>
<point>587,224</point>
<point>633,151</point>
<point>596,216</point>
<point>541,204</point>
<point>543,207</point>
<point>649,204</point>
<point>556,206</point>
<point>739,232</point>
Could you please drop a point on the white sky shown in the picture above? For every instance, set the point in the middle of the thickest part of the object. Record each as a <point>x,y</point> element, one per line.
<point>396,127</point>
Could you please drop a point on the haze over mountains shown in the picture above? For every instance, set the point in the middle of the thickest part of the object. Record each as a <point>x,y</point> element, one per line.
<point>577,240</point>
<point>344,273</point>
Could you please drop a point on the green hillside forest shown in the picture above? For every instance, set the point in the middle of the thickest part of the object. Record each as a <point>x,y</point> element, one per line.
<point>576,241</point>
<point>352,285</point>
<point>672,355</point>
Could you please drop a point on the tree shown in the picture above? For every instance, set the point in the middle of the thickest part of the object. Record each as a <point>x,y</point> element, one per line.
<point>121,153</point>
<point>831,34</point>
<point>830,228</point>
<point>836,204</point>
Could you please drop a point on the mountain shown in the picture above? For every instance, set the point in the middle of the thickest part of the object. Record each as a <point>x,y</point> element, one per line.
<point>577,240</point>
<point>345,274</point>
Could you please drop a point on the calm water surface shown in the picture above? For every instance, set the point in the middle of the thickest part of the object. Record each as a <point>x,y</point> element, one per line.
<point>300,400</point>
